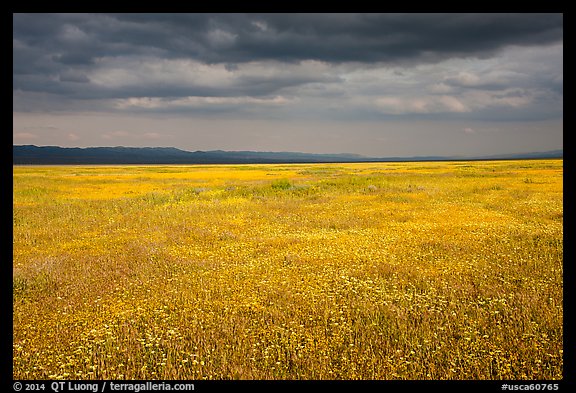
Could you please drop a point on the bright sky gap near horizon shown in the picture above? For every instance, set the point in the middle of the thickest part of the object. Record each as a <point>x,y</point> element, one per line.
<point>372,84</point>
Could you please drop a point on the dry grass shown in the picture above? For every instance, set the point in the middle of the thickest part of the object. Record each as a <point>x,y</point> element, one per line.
<point>446,270</point>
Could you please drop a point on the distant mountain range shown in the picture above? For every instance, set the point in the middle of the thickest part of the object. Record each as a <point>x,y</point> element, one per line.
<point>54,155</point>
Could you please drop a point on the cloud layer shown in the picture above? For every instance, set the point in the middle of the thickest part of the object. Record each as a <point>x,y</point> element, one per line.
<point>82,39</point>
<point>343,67</point>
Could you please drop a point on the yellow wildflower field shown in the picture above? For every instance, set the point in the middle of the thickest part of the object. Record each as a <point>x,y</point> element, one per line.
<point>419,270</point>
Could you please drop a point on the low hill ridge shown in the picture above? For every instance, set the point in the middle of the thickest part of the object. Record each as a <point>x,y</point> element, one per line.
<point>55,155</point>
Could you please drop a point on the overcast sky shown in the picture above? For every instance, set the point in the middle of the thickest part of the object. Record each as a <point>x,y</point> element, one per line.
<point>372,84</point>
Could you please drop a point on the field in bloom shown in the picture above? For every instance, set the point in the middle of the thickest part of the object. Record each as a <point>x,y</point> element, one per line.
<point>423,270</point>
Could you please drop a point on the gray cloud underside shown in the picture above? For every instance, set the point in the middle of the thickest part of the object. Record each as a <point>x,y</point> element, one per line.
<point>356,65</point>
<point>82,39</point>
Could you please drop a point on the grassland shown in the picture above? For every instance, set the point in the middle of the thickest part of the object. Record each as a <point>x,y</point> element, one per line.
<point>437,270</point>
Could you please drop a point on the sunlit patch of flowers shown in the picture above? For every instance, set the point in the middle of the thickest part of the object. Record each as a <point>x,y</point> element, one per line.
<point>444,270</point>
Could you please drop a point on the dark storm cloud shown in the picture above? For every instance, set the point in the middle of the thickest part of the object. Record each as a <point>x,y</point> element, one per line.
<point>364,37</point>
<point>380,64</point>
<point>389,84</point>
<point>80,39</point>
<point>333,37</point>
<point>392,38</point>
